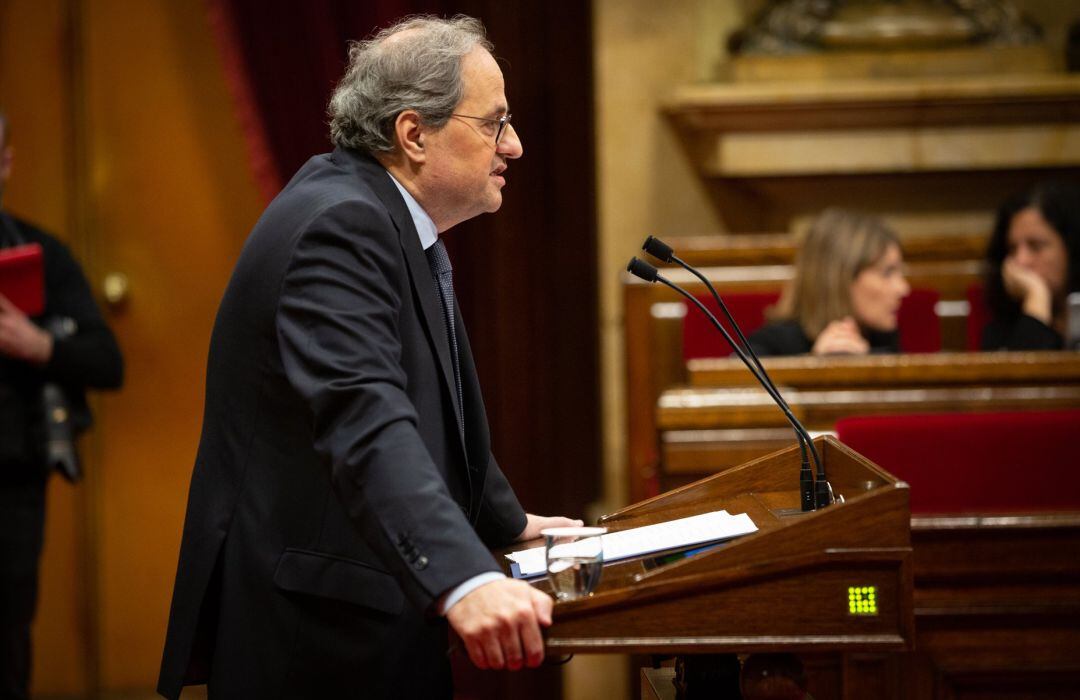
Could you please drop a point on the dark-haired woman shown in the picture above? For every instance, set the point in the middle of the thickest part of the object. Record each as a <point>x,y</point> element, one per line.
<point>1033,257</point>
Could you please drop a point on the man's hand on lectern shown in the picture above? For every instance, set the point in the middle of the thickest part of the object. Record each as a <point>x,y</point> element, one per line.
<point>500,622</point>
<point>535,523</point>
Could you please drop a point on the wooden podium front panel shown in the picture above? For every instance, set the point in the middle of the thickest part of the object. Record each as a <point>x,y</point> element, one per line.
<point>787,586</point>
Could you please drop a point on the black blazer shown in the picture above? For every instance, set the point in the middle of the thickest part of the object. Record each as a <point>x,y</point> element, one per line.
<point>1020,332</point>
<point>780,338</point>
<point>88,358</point>
<point>334,497</point>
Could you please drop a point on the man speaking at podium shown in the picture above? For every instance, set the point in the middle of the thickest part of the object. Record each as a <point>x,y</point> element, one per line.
<point>344,496</point>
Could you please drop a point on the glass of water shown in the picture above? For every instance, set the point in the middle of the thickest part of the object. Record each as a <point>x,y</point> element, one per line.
<point>574,557</point>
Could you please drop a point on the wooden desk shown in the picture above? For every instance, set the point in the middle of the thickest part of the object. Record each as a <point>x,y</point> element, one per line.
<point>997,607</point>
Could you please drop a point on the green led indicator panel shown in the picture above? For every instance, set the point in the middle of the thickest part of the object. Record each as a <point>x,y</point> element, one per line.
<point>862,600</point>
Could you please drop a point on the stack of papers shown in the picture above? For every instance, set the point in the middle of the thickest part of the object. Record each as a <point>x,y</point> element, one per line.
<point>673,534</point>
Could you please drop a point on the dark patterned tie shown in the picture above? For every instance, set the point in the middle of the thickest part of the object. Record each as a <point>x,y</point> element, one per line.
<point>444,275</point>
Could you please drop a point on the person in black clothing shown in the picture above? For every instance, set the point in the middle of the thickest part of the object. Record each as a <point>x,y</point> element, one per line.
<point>80,352</point>
<point>846,292</point>
<point>1034,257</point>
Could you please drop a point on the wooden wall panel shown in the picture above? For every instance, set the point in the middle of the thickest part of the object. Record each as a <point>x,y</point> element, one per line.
<point>172,201</point>
<point>127,147</point>
<point>35,94</point>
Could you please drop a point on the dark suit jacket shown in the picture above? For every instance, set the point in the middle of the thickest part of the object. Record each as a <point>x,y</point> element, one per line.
<point>334,497</point>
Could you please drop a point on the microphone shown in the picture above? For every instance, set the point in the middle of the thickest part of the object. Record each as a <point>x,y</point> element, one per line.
<point>809,499</point>
<point>662,251</point>
<point>643,270</point>
<point>823,495</point>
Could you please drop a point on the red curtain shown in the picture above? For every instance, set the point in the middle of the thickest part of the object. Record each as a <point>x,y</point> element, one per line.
<point>282,59</point>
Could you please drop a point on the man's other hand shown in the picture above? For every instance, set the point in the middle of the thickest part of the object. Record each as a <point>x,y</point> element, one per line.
<point>535,523</point>
<point>500,623</point>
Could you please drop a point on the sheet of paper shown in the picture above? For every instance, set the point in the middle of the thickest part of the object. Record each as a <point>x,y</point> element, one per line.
<point>673,534</point>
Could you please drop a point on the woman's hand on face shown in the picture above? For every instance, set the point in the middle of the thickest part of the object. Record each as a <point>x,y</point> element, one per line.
<point>841,338</point>
<point>1028,288</point>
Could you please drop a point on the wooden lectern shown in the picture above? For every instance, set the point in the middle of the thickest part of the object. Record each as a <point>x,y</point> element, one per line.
<point>835,580</point>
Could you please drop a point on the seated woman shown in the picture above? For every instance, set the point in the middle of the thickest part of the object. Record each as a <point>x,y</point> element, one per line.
<point>1033,257</point>
<point>846,293</point>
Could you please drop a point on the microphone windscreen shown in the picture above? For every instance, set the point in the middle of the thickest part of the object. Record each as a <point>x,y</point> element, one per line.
<point>658,249</point>
<point>642,269</point>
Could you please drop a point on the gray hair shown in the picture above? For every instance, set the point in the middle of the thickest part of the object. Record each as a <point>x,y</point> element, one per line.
<point>419,69</point>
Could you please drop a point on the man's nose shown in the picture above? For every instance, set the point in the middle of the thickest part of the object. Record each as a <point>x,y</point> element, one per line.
<point>510,145</point>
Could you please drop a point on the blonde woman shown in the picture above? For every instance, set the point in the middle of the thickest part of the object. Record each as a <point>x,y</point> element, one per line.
<point>844,298</point>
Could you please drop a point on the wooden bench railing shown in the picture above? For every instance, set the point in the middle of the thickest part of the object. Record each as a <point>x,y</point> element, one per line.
<point>779,248</point>
<point>940,369</point>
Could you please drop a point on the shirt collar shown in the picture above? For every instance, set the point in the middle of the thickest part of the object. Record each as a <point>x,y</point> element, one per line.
<point>423,223</point>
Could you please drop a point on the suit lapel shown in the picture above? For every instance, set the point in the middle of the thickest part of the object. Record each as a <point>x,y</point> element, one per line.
<point>423,284</point>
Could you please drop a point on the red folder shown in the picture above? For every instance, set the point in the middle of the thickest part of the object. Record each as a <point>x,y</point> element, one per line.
<point>22,278</point>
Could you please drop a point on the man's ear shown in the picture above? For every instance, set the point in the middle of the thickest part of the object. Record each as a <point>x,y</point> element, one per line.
<point>410,131</point>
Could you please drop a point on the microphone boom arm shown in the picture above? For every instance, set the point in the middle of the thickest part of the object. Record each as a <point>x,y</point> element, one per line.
<point>750,351</point>
<point>808,499</point>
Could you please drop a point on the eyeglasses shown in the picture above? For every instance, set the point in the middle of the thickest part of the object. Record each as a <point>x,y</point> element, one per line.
<point>503,122</point>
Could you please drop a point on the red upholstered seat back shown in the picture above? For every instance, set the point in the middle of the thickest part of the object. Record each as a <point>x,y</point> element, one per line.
<point>976,462</point>
<point>920,330</point>
<point>978,316</point>
<point>701,339</point>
